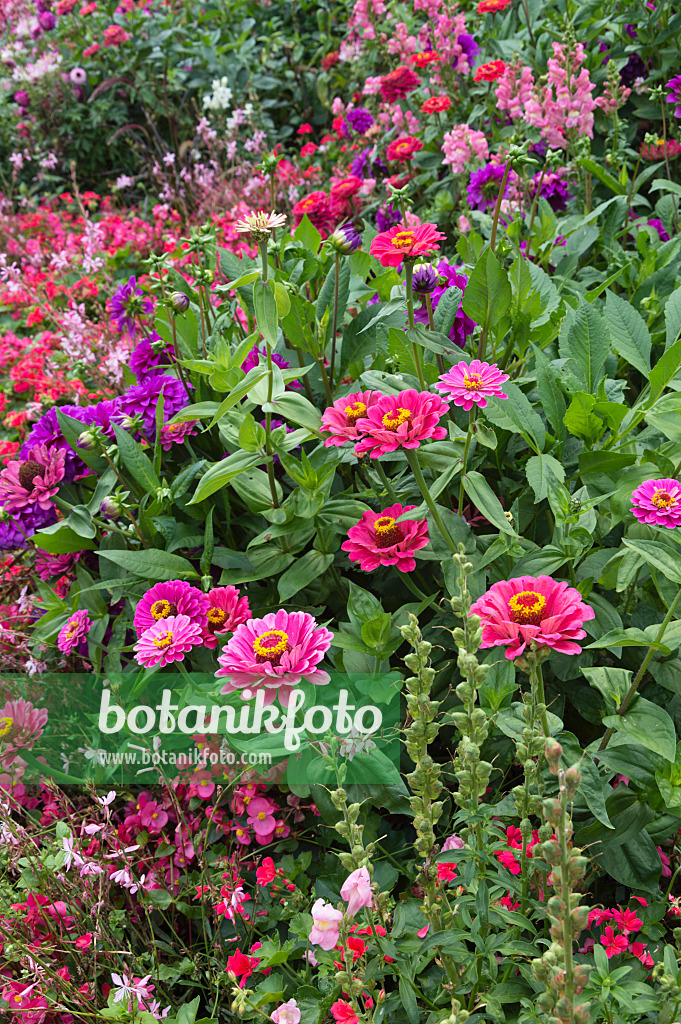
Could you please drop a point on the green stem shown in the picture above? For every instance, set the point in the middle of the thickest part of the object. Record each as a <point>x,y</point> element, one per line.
<point>386,482</point>
<point>497,208</point>
<point>408,280</point>
<point>413,461</point>
<point>471,421</point>
<point>431,324</point>
<point>537,684</point>
<point>334,324</point>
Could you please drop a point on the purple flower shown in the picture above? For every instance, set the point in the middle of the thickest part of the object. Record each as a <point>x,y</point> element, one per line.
<point>359,119</point>
<point>659,227</point>
<point>47,21</point>
<point>14,529</point>
<point>258,355</point>
<point>425,280</point>
<point>483,186</point>
<point>387,217</point>
<point>469,47</point>
<point>142,399</point>
<point>48,432</point>
<point>554,189</point>
<point>635,68</point>
<point>674,84</point>
<point>145,358</point>
<point>453,278</point>
<point>22,98</point>
<point>128,303</point>
<point>104,415</point>
<point>345,239</point>
<point>360,164</point>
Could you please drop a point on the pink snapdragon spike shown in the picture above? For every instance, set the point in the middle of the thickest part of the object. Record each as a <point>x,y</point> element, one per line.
<point>274,653</point>
<point>378,540</point>
<point>227,609</point>
<point>401,421</point>
<point>339,421</point>
<point>356,891</point>
<point>168,640</point>
<point>399,243</point>
<point>528,609</point>
<point>33,480</point>
<point>325,919</point>
<point>469,384</point>
<point>75,629</point>
<point>287,1013</point>
<point>658,502</point>
<point>172,598</point>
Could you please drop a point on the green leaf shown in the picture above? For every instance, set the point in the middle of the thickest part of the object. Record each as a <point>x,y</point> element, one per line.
<point>307,234</point>
<point>152,564</point>
<point>603,175</point>
<point>664,370</point>
<point>581,421</point>
<point>445,312</point>
<point>252,378</point>
<point>665,416</point>
<point>266,314</point>
<point>647,724</point>
<point>326,296</point>
<point>60,539</point>
<point>635,864</point>
<point>672,318</point>
<point>613,683</point>
<point>486,501</point>
<point>663,557</point>
<point>553,400</point>
<point>303,571</point>
<point>631,637</point>
<point>298,409</point>
<point>629,334</point>
<point>540,471</point>
<point>208,543</point>
<point>385,310</point>
<point>586,345</point>
<point>592,789</point>
<point>220,474</point>
<point>186,1014</point>
<point>517,415</point>
<point>135,461</point>
<point>487,297</point>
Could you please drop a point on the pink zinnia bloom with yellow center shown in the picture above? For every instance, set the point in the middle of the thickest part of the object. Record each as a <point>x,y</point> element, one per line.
<point>658,502</point>
<point>469,384</point>
<point>400,243</point>
<point>274,654</point>
<point>73,631</point>
<point>401,421</point>
<point>340,419</point>
<point>227,609</point>
<point>528,609</point>
<point>32,480</point>
<point>378,540</point>
<point>174,597</point>
<point>175,433</point>
<point>168,640</point>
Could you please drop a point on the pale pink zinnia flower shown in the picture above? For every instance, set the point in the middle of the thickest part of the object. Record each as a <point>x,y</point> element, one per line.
<point>325,919</point>
<point>174,597</point>
<point>401,421</point>
<point>528,608</point>
<point>471,384</point>
<point>20,726</point>
<point>356,891</point>
<point>658,502</point>
<point>73,631</point>
<point>378,540</point>
<point>274,653</point>
<point>226,610</point>
<point>35,479</point>
<point>340,419</point>
<point>168,640</point>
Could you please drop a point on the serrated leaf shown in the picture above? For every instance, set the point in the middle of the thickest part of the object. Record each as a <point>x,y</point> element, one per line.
<point>587,346</point>
<point>515,413</point>
<point>487,297</point>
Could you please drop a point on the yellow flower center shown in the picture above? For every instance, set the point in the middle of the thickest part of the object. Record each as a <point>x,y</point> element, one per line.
<point>354,412</point>
<point>162,609</point>
<point>387,532</point>
<point>392,422</point>
<point>270,646</point>
<point>216,616</point>
<point>472,381</point>
<point>527,607</point>
<point>261,816</point>
<point>5,725</point>
<point>163,640</point>
<point>71,628</point>
<point>663,499</point>
<point>403,239</point>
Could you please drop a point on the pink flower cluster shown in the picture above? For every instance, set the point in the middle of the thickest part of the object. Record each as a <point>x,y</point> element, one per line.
<point>383,423</point>
<point>463,144</point>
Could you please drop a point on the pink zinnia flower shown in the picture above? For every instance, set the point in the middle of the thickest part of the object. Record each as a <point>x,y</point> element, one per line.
<point>20,726</point>
<point>226,610</point>
<point>73,631</point>
<point>657,502</point>
<point>174,597</point>
<point>401,421</point>
<point>274,653</point>
<point>175,433</point>
<point>528,608</point>
<point>340,419</point>
<point>614,944</point>
<point>399,243</point>
<point>356,890</point>
<point>378,540</point>
<point>168,640</point>
<point>325,920</point>
<point>471,384</point>
<point>35,479</point>
<point>114,35</point>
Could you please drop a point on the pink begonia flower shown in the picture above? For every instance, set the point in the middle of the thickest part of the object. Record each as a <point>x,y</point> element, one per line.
<point>287,1013</point>
<point>260,816</point>
<point>614,944</point>
<point>461,145</point>
<point>33,480</point>
<point>378,540</point>
<point>356,890</point>
<point>274,654</point>
<point>472,384</point>
<point>168,641</point>
<point>658,502</point>
<point>174,597</point>
<point>226,610</point>
<point>73,631</point>
<point>340,419</point>
<point>325,920</point>
<point>401,421</point>
<point>528,609</point>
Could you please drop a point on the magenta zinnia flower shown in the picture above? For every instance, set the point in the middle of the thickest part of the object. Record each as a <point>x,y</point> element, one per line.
<point>274,653</point>
<point>470,384</point>
<point>172,598</point>
<point>379,540</point>
<point>20,726</point>
<point>73,631</point>
<point>168,640</point>
<point>658,502</point>
<point>516,612</point>
<point>340,419</point>
<point>400,243</point>
<point>175,433</point>
<point>32,480</point>
<point>401,421</point>
<point>226,610</point>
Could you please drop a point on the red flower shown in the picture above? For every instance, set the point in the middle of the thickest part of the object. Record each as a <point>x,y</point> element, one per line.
<point>308,149</point>
<point>422,60</point>
<point>241,966</point>
<point>343,1013</point>
<point>627,920</point>
<point>399,83</point>
<point>330,60</point>
<point>346,187</point>
<point>357,946</point>
<point>398,243</point>
<point>266,873</point>
<point>614,944</point>
<point>436,104</point>
<point>404,149</point>
<point>492,6</point>
<point>490,72</point>
<point>446,872</point>
<point>305,129</point>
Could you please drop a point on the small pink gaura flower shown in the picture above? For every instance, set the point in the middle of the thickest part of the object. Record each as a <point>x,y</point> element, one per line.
<point>658,502</point>
<point>469,384</point>
<point>325,919</point>
<point>401,421</point>
<point>356,890</point>
<point>378,540</point>
<point>340,419</point>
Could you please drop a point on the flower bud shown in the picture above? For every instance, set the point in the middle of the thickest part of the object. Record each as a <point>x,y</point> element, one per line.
<point>345,240</point>
<point>180,302</point>
<point>87,441</point>
<point>111,507</point>
<point>425,279</point>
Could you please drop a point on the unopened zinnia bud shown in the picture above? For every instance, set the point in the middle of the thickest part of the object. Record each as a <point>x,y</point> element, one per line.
<point>110,508</point>
<point>425,279</point>
<point>180,302</point>
<point>345,239</point>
